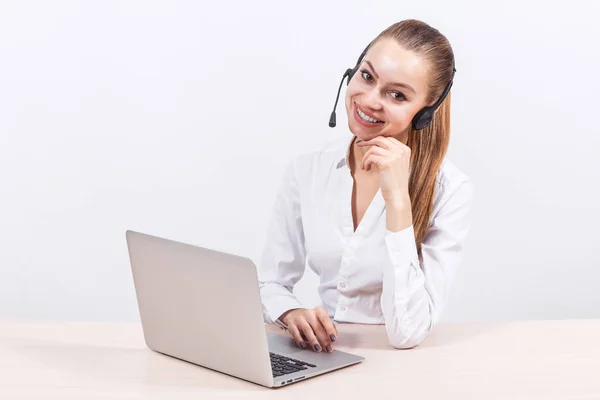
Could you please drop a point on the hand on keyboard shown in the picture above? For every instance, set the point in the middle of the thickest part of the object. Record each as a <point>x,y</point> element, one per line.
<point>313,326</point>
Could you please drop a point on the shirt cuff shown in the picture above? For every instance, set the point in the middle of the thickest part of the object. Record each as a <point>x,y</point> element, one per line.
<point>277,305</point>
<point>402,247</point>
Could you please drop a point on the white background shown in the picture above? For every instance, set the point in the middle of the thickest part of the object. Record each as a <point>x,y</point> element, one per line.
<point>176,119</point>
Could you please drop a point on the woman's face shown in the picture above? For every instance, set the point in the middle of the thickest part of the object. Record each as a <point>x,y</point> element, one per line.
<point>374,90</point>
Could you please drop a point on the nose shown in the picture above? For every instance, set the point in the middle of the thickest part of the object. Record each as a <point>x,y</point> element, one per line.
<point>371,99</point>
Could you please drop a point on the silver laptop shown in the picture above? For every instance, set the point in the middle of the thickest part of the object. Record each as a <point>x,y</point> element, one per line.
<point>203,306</point>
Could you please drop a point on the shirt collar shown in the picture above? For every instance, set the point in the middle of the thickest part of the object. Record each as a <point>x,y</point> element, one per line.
<point>345,159</point>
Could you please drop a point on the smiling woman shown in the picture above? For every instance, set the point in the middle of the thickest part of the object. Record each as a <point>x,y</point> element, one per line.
<point>382,217</point>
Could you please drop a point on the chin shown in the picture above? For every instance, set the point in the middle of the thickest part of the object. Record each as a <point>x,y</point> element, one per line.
<point>360,132</point>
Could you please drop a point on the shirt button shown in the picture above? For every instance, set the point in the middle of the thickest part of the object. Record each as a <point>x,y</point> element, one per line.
<point>348,253</point>
<point>343,284</point>
<point>343,308</point>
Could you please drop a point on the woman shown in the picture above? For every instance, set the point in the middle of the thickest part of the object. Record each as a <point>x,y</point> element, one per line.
<point>381,218</point>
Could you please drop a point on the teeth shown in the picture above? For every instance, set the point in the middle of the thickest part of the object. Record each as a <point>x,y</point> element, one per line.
<point>365,117</point>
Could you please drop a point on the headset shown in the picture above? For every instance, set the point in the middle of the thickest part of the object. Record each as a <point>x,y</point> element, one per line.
<point>421,120</point>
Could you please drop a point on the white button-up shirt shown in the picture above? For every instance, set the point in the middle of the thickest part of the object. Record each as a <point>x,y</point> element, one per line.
<point>371,275</point>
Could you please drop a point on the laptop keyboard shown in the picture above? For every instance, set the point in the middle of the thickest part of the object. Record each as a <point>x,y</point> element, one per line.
<point>285,365</point>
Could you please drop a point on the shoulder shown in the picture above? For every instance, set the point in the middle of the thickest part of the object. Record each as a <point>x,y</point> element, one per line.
<point>450,175</point>
<point>322,157</point>
<point>453,186</point>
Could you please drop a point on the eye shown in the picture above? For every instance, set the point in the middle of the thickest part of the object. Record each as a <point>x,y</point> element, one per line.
<point>399,97</point>
<point>369,78</point>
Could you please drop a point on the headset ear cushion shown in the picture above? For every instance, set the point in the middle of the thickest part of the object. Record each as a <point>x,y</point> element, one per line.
<point>423,118</point>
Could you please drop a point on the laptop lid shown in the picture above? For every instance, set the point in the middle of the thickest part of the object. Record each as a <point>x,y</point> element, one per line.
<point>200,305</point>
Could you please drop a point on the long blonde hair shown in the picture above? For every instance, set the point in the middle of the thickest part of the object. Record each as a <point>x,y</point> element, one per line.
<point>429,145</point>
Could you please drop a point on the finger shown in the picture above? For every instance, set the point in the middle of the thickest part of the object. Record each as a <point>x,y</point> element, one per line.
<point>330,330</point>
<point>376,141</point>
<point>373,159</point>
<point>319,331</point>
<point>373,150</point>
<point>395,142</point>
<point>376,150</point>
<point>307,330</point>
<point>295,332</point>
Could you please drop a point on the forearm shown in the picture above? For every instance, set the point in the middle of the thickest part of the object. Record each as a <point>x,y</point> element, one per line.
<point>405,302</point>
<point>416,286</point>
<point>407,307</point>
<point>277,300</point>
<point>398,213</point>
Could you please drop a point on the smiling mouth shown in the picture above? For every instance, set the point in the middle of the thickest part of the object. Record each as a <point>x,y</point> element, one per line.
<point>365,117</point>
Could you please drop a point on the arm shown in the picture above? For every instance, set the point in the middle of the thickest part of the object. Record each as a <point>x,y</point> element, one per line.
<point>415,289</point>
<point>283,259</point>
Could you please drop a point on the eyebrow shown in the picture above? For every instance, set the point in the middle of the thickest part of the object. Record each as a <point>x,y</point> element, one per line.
<point>404,85</point>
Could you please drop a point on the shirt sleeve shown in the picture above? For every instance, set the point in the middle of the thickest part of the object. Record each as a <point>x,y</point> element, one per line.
<point>415,289</point>
<point>282,263</point>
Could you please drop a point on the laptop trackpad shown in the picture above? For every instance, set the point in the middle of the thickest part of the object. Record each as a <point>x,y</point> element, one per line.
<point>286,346</point>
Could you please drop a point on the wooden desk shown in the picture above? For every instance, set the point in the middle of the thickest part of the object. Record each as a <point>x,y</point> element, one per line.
<point>515,360</point>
